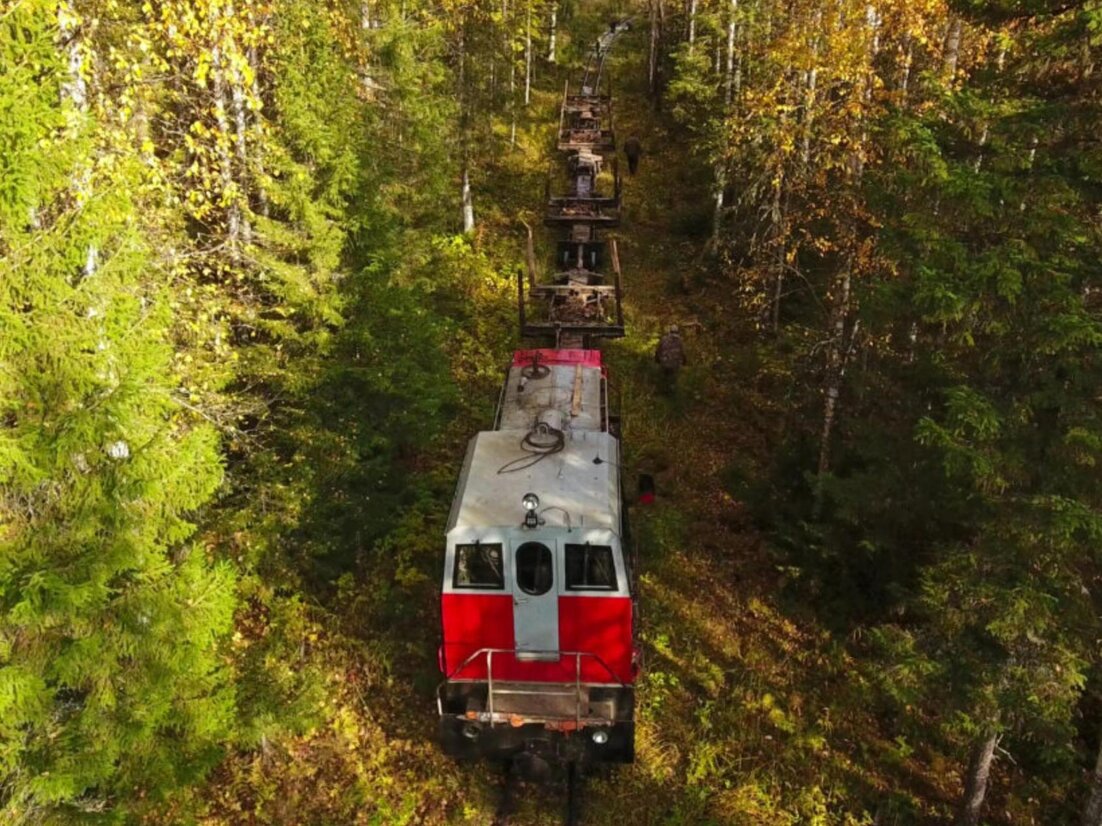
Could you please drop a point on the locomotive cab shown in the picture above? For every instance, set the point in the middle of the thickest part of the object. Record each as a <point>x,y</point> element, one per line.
<point>538,648</point>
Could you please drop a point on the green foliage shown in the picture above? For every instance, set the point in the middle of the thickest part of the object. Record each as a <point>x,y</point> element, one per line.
<point>114,683</point>
<point>949,525</point>
<point>28,115</point>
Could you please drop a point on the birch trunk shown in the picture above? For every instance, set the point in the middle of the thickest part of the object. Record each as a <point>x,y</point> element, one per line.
<point>810,82</point>
<point>985,129</point>
<point>838,350</point>
<point>553,32</point>
<point>720,186</point>
<point>512,72</point>
<point>835,373</point>
<point>461,77</point>
<point>528,55</point>
<point>977,164</point>
<point>225,161</point>
<point>75,90</point>
<point>729,78</point>
<point>872,21</point>
<point>780,250</point>
<point>468,204</point>
<point>652,57</point>
<point>1092,812</point>
<point>692,24</point>
<point>731,82</point>
<point>1030,158</point>
<point>908,61</point>
<point>241,144</point>
<point>465,199</point>
<point>951,55</point>
<point>254,88</point>
<point>975,785</point>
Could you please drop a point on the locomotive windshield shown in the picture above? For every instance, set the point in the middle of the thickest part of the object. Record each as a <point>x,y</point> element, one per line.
<point>590,568</point>
<point>479,566</point>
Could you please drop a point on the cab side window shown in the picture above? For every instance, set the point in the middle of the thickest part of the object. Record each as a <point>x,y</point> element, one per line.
<point>590,568</point>
<point>479,566</point>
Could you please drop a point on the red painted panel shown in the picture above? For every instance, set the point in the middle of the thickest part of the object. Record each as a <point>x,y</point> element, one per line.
<point>471,622</point>
<point>601,625</point>
<point>586,358</point>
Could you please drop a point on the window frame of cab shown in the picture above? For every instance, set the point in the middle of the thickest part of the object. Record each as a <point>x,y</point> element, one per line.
<point>489,546</point>
<point>585,549</point>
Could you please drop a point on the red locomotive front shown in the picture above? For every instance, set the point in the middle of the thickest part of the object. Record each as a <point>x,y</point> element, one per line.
<point>537,607</point>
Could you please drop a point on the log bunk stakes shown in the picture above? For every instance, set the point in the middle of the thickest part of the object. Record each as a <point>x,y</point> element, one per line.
<point>581,302</point>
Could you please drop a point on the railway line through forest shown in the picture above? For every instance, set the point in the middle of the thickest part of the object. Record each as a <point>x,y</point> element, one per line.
<point>667,437</point>
<point>716,623</point>
<point>571,809</point>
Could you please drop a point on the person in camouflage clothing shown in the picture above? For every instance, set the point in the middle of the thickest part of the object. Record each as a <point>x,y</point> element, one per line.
<point>670,355</point>
<point>633,149</point>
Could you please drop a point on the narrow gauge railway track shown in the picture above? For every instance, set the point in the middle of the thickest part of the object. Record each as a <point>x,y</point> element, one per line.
<point>511,788</point>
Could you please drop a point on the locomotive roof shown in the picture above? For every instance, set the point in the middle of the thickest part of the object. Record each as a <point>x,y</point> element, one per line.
<point>589,491</point>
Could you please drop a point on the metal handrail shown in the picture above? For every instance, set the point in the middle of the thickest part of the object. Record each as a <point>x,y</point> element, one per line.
<point>488,653</point>
<point>562,654</point>
<point>577,691</point>
<point>490,682</point>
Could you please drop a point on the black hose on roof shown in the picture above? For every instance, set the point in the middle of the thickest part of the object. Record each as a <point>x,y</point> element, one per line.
<point>537,445</point>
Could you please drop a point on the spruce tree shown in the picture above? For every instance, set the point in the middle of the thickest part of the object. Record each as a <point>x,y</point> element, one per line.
<point>113,690</point>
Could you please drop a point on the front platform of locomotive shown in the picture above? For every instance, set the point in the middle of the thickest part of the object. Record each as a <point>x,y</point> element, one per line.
<point>538,649</point>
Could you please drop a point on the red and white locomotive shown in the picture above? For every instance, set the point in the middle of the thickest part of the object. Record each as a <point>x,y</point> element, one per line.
<point>538,645</point>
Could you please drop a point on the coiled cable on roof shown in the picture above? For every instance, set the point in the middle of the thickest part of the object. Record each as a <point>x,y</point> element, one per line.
<point>539,443</point>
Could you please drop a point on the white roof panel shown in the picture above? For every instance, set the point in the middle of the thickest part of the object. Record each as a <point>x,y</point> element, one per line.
<point>571,486</point>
